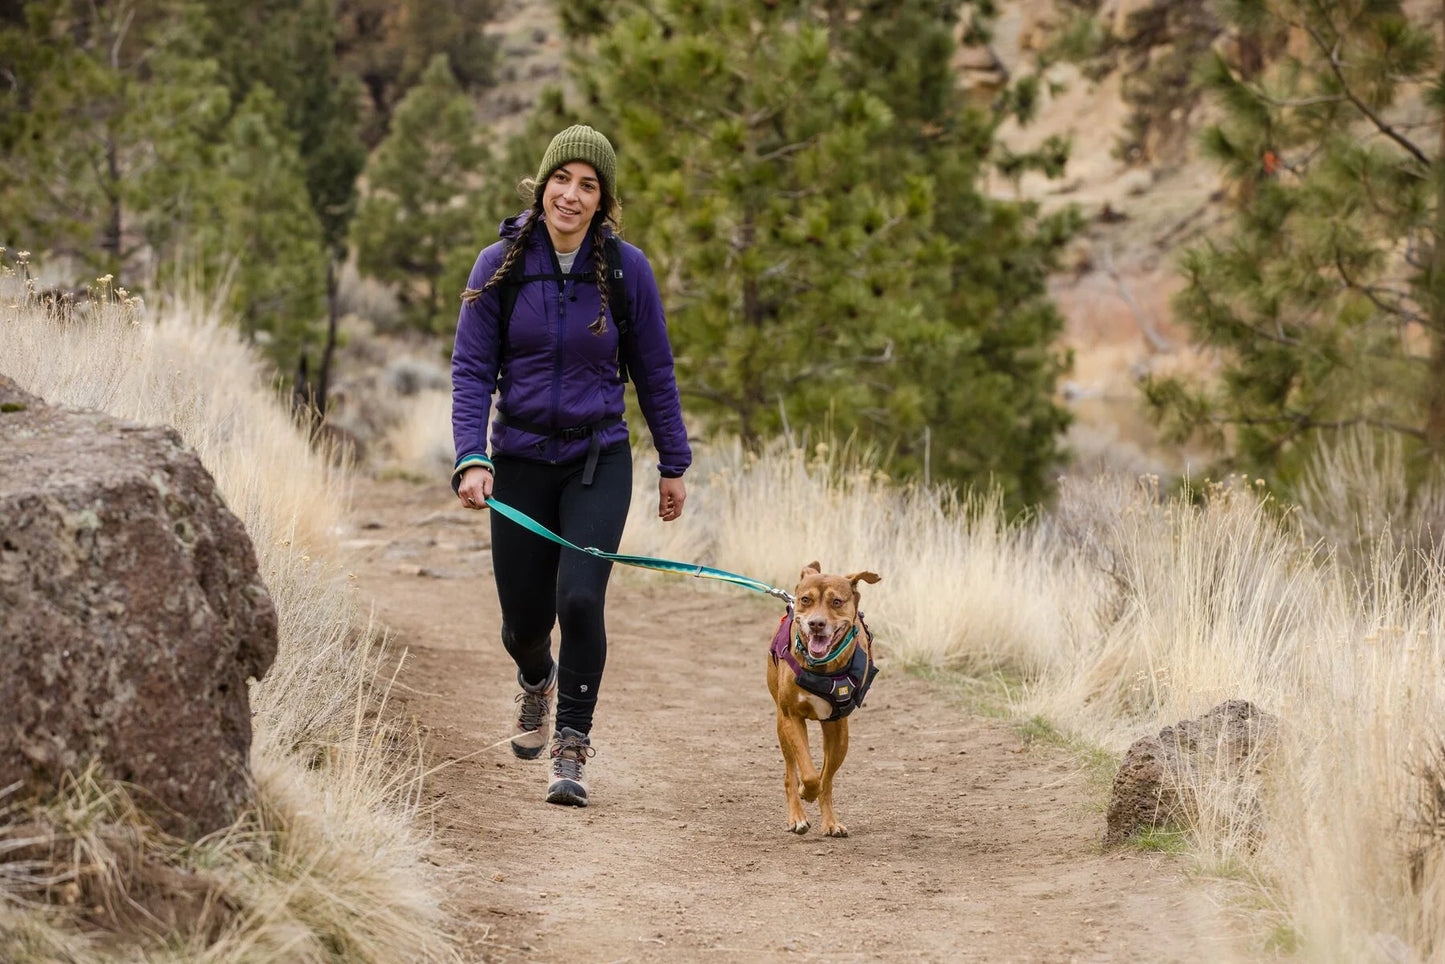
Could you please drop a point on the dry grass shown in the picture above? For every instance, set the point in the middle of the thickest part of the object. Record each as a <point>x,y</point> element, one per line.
<point>768,516</point>
<point>332,864</point>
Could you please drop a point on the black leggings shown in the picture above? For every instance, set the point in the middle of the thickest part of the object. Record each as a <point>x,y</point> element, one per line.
<point>540,583</point>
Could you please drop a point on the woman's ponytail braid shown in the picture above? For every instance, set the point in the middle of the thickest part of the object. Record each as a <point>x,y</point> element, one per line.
<point>599,262</point>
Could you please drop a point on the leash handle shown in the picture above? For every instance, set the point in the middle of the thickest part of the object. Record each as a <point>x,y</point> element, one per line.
<point>642,562</point>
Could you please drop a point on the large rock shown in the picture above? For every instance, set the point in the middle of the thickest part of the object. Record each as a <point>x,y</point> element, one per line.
<point>132,613</point>
<point>1222,752</point>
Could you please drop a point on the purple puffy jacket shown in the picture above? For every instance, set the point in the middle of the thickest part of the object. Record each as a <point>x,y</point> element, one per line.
<point>558,373</point>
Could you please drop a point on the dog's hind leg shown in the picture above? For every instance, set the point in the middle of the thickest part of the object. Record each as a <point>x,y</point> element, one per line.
<point>835,748</point>
<point>793,738</point>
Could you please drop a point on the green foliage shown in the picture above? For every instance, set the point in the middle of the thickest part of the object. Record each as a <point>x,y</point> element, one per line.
<point>1324,302</point>
<point>139,141</point>
<point>290,48</point>
<point>805,182</point>
<point>1163,840</point>
<point>418,225</point>
<point>256,233</point>
<point>1083,40</point>
<point>388,45</point>
<point>101,130</point>
<point>185,139</point>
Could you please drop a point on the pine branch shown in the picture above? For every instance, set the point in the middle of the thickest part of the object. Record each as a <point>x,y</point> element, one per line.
<point>1279,339</point>
<point>1333,53</point>
<point>1371,292</point>
<point>1300,102</point>
<point>787,149</point>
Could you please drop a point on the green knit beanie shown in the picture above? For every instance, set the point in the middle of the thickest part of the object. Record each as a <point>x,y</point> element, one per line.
<point>581,143</point>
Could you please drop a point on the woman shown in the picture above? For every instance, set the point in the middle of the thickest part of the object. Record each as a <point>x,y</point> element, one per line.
<point>559,445</point>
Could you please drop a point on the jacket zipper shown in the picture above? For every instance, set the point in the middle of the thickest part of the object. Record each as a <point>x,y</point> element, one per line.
<point>561,331</point>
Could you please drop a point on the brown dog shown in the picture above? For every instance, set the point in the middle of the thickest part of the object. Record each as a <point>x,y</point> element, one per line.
<point>819,668</point>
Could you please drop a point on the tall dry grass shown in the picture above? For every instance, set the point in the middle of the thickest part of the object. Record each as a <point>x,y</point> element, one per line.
<point>332,865</point>
<point>1126,608</point>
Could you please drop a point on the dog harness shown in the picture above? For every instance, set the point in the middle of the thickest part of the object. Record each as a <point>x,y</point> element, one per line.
<point>845,690</point>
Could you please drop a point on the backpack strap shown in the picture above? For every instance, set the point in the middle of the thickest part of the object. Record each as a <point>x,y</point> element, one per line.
<point>617,300</point>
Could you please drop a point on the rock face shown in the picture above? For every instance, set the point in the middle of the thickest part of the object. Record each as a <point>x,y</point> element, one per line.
<point>132,613</point>
<point>1222,751</point>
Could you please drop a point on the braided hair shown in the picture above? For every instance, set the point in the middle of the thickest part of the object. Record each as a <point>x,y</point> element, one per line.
<point>609,211</point>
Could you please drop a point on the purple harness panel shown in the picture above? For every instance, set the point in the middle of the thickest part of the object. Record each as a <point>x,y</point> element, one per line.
<point>783,641</point>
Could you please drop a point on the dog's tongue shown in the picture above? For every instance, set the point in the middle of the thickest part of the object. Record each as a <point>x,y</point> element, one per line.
<point>819,644</point>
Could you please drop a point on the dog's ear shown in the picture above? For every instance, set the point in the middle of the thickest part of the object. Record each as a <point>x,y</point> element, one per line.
<point>810,567</point>
<point>868,577</point>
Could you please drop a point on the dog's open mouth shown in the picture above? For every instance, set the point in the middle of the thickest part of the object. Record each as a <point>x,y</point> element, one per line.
<point>819,644</point>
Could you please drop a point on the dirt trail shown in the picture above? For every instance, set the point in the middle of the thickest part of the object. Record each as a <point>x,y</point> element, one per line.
<point>966,845</point>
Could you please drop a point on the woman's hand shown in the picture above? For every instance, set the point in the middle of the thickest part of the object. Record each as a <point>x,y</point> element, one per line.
<point>671,494</point>
<point>476,487</point>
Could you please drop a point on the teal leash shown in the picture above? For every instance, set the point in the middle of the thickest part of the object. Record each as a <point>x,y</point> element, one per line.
<point>642,562</point>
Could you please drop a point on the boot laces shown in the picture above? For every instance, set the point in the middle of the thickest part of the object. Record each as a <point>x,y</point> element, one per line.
<point>534,710</point>
<point>568,755</point>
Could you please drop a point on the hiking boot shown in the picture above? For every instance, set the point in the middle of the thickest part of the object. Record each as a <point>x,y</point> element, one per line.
<point>570,751</point>
<point>534,715</point>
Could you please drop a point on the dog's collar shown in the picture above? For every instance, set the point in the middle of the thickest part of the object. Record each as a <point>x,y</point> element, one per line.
<point>833,654</point>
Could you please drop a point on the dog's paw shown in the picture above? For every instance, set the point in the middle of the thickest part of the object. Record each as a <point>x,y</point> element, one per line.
<point>810,789</point>
<point>799,826</point>
<point>837,830</point>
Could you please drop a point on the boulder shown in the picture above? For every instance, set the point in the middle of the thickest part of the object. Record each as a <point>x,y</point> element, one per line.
<point>132,613</point>
<point>1224,751</point>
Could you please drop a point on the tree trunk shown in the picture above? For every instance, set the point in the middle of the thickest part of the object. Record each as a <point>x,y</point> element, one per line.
<point>1435,390</point>
<point>333,311</point>
<point>752,393</point>
<point>110,241</point>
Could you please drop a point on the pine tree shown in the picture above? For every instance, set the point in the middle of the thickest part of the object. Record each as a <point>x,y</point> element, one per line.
<point>1326,301</point>
<point>805,178</point>
<point>388,45</point>
<point>127,152</point>
<point>257,234</point>
<point>290,47</point>
<point>418,225</point>
<point>102,128</point>
<point>988,357</point>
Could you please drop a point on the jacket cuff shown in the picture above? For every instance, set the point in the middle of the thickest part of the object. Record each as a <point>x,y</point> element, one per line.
<point>667,473</point>
<point>468,462</point>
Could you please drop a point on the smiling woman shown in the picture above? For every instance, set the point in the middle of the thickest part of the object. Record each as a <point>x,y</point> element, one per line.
<point>553,321</point>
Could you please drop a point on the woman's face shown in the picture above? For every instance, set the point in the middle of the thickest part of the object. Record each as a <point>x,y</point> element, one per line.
<point>569,201</point>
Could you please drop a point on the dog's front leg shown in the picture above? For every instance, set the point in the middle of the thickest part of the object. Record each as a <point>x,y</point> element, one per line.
<point>793,738</point>
<point>835,748</point>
